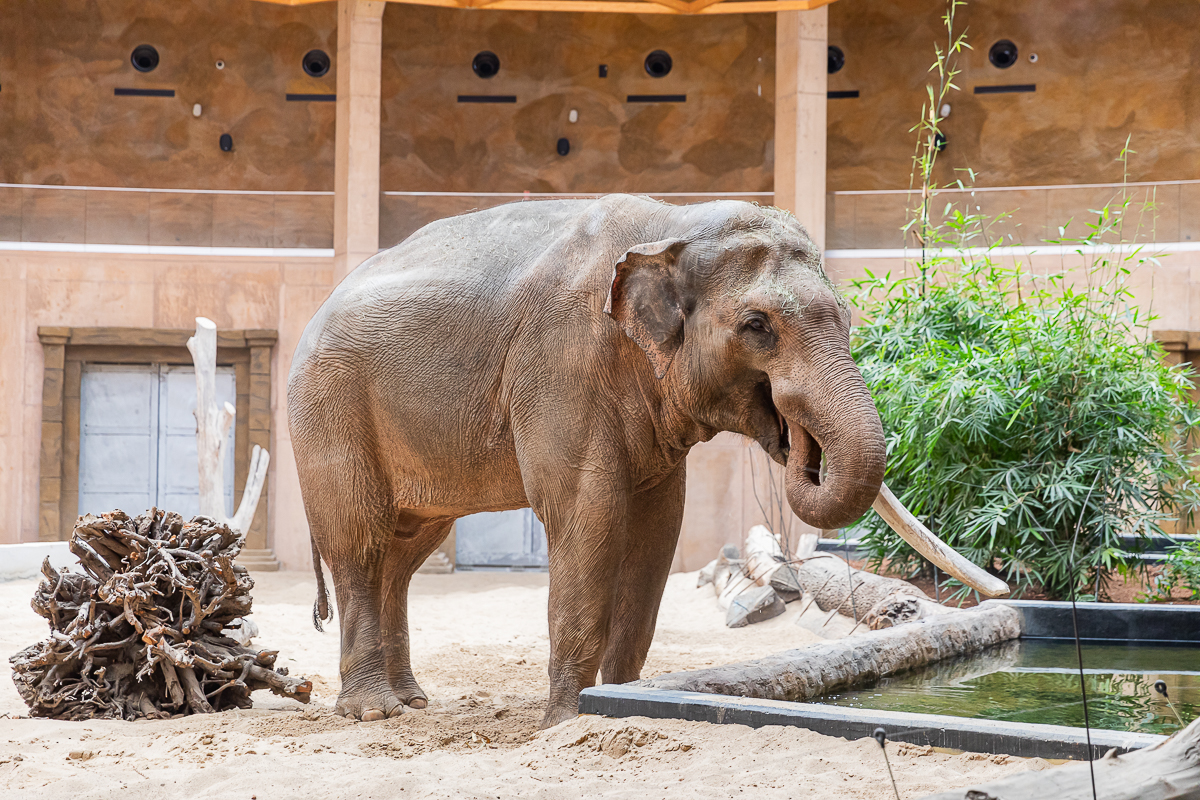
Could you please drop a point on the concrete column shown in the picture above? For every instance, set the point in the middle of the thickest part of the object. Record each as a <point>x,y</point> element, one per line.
<point>801,68</point>
<point>50,522</point>
<point>257,554</point>
<point>356,167</point>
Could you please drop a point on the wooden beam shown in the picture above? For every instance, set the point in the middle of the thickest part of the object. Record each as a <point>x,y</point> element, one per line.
<point>682,7</point>
<point>699,5</point>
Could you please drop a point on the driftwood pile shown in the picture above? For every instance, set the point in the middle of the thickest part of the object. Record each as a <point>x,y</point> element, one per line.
<point>755,587</point>
<point>153,627</point>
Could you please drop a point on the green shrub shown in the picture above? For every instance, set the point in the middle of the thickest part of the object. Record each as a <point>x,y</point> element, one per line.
<point>1023,411</point>
<point>1181,570</point>
<point>1031,419</point>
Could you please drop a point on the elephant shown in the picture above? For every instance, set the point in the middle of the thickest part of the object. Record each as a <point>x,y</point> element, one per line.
<point>564,356</point>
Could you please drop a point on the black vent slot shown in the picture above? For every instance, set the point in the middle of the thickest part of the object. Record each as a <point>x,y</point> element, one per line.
<point>487,98</point>
<point>1010,89</point>
<point>656,98</point>
<point>144,92</point>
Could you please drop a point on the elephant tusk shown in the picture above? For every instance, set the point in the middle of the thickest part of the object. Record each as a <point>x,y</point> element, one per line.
<point>922,539</point>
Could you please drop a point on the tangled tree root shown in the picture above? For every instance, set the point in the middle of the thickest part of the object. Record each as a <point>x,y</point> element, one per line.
<point>145,630</point>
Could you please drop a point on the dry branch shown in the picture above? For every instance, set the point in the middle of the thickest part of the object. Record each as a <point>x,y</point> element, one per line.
<point>140,632</point>
<point>1170,769</point>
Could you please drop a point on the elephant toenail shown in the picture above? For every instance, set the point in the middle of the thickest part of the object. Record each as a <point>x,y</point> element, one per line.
<point>372,715</point>
<point>397,711</point>
<point>418,702</point>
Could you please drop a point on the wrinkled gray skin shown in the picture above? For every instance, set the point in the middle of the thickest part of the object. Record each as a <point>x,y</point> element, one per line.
<point>564,355</point>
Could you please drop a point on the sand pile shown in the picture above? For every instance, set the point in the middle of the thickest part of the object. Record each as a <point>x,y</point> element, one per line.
<point>480,648</point>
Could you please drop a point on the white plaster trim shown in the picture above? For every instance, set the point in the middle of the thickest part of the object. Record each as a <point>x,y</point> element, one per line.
<point>1149,248</point>
<point>159,191</point>
<point>167,250</point>
<point>974,189</point>
<point>25,560</point>
<point>578,195</point>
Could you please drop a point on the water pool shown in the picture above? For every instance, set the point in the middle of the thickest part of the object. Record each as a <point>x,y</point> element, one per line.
<point>1033,680</point>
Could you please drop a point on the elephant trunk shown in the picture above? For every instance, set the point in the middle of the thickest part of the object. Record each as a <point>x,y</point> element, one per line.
<point>837,420</point>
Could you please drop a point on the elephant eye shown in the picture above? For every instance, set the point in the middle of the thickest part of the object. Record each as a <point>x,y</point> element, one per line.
<point>756,324</point>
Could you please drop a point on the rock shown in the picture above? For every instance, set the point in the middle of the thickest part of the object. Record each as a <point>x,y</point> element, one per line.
<point>753,605</point>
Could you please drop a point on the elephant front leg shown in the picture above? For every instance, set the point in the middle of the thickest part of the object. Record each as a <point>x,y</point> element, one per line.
<point>585,543</point>
<point>654,519</point>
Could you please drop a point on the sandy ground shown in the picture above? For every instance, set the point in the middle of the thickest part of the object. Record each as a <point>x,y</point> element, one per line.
<point>480,648</point>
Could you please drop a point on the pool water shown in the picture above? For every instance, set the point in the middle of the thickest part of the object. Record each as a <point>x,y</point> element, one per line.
<point>1038,681</point>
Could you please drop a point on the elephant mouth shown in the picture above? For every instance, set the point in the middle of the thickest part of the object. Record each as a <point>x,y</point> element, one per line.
<point>777,439</point>
<point>781,441</point>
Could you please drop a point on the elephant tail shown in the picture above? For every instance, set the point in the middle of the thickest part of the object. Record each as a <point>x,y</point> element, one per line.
<point>321,606</point>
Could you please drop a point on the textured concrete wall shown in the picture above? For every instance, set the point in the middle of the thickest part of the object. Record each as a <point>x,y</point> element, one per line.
<point>719,140</point>
<point>60,123</point>
<point>1105,70</point>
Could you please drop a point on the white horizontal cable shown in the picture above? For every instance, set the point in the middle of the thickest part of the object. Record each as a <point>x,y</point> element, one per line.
<point>1144,248</point>
<point>167,250</point>
<point>158,191</point>
<point>579,195</point>
<point>973,189</point>
<point>1161,248</point>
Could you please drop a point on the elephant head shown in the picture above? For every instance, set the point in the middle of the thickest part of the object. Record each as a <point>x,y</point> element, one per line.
<point>746,333</point>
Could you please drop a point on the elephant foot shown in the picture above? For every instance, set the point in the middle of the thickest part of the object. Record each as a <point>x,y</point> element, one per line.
<point>556,714</point>
<point>409,692</point>
<point>369,705</point>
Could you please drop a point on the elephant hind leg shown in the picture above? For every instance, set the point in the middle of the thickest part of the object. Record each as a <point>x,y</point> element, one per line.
<point>366,693</point>
<point>352,530</point>
<point>414,543</point>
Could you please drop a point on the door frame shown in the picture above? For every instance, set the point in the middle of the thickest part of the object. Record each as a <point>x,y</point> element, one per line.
<point>66,350</point>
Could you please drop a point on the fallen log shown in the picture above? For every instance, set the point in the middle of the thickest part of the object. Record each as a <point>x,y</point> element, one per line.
<point>874,600</point>
<point>1170,769</point>
<point>142,631</point>
<point>819,669</point>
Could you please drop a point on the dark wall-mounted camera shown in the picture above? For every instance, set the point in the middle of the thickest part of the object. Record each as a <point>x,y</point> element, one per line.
<point>837,59</point>
<point>144,58</point>
<point>315,63</point>
<point>1003,54</point>
<point>486,64</point>
<point>658,64</point>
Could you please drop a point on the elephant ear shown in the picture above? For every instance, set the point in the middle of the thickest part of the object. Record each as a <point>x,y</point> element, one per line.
<point>646,300</point>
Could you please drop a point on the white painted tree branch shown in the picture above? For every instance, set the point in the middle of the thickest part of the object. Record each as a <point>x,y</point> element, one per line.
<point>256,479</point>
<point>212,437</point>
<point>212,426</point>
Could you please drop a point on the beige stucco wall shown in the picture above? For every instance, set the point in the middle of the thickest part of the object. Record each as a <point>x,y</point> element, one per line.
<point>87,289</point>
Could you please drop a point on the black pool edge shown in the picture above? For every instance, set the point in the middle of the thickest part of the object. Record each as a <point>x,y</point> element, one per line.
<point>1144,623</point>
<point>955,733</point>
